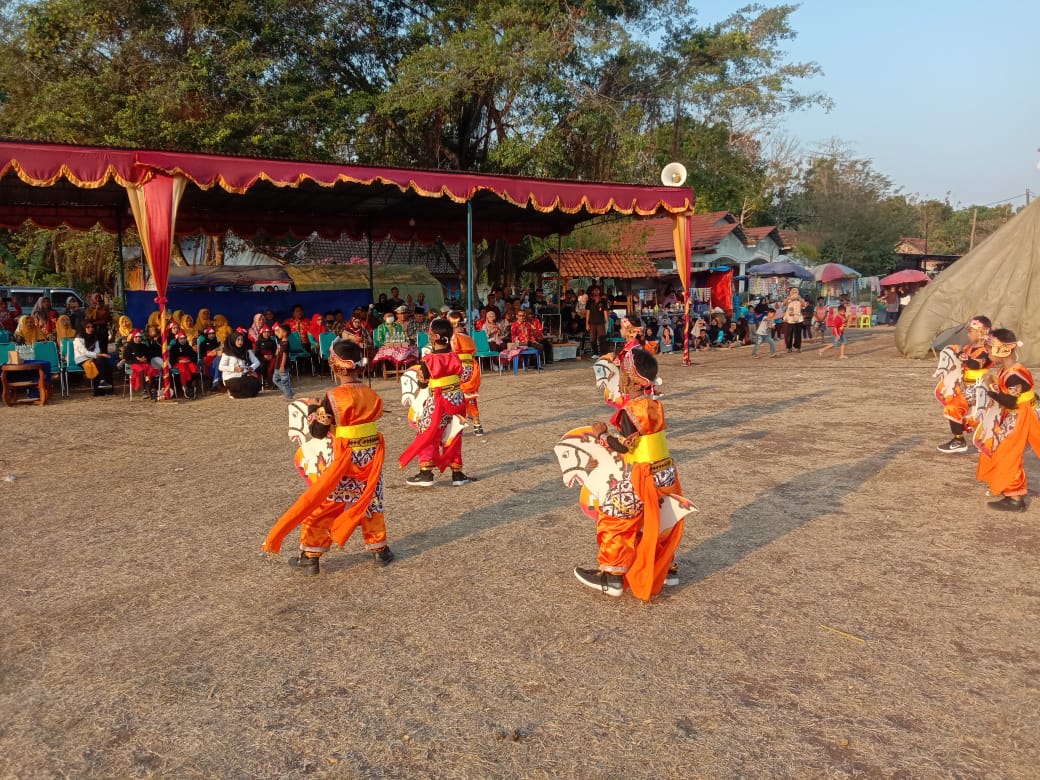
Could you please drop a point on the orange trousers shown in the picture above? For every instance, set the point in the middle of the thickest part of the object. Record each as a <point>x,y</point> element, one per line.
<point>314,531</point>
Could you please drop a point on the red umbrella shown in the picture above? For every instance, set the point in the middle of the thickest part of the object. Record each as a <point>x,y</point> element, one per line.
<point>908,276</point>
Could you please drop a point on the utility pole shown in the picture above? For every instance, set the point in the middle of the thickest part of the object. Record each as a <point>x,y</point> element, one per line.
<point>974,219</point>
<point>1027,196</point>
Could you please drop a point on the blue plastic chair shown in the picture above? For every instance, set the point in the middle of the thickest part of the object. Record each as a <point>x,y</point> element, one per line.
<point>68,363</point>
<point>297,352</point>
<point>422,340</point>
<point>325,347</point>
<point>480,338</point>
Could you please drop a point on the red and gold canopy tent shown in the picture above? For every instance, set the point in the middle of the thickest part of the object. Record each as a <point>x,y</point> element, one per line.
<point>171,193</point>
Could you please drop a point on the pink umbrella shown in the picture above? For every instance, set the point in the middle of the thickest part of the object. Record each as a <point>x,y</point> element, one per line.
<point>907,276</point>
<point>833,272</point>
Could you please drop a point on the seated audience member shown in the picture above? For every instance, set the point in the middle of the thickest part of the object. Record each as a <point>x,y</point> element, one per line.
<point>238,366</point>
<point>204,320</point>
<point>138,358</point>
<point>698,334</point>
<point>153,342</point>
<point>420,305</point>
<point>124,327</point>
<point>254,328</point>
<point>185,359</point>
<point>63,329</point>
<point>189,328</point>
<point>497,334</point>
<point>210,349</point>
<point>265,349</point>
<point>44,310</point>
<point>406,321</point>
<point>270,320</point>
<point>223,327</point>
<point>667,336</point>
<point>382,304</point>
<point>30,330</point>
<point>87,353</point>
<point>10,313</point>
<point>731,336</point>
<point>300,325</point>
<point>527,332</point>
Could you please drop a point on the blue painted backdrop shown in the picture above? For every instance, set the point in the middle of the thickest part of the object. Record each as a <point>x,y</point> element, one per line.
<point>240,307</point>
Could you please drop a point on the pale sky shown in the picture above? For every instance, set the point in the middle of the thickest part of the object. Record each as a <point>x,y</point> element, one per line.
<point>943,97</point>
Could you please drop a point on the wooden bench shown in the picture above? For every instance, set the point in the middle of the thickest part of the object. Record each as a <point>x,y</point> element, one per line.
<point>16,378</point>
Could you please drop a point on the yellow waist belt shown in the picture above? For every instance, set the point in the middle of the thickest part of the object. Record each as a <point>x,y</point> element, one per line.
<point>444,381</point>
<point>650,448</point>
<point>465,357</point>
<point>361,436</point>
<point>1027,397</point>
<point>974,374</point>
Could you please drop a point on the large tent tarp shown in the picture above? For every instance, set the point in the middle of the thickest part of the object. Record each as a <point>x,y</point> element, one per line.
<point>1000,279</point>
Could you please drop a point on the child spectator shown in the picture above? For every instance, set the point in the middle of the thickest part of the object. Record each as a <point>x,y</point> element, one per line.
<point>280,361</point>
<point>837,325</point>
<point>764,334</point>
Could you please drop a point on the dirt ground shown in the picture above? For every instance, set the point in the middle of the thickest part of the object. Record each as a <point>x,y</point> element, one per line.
<point>848,606</point>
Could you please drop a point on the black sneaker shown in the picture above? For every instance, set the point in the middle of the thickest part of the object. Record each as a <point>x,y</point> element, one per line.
<point>478,430</point>
<point>382,556</point>
<point>1008,504</point>
<point>953,445</point>
<point>458,479</point>
<point>603,581</point>
<point>305,563</point>
<point>423,479</point>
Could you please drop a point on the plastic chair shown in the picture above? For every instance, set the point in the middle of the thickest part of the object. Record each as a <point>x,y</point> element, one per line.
<point>864,317</point>
<point>422,340</point>
<point>48,350</point>
<point>297,352</point>
<point>480,338</point>
<point>68,362</point>
<point>325,347</point>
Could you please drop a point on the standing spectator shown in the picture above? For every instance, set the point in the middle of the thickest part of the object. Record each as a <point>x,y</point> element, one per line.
<point>420,305</point>
<point>101,316</point>
<point>10,312</point>
<point>904,299</point>
<point>819,321</point>
<point>48,317</point>
<point>76,314</point>
<point>395,299</point>
<point>891,305</point>
<point>596,321</point>
<point>793,321</point>
<point>280,362</point>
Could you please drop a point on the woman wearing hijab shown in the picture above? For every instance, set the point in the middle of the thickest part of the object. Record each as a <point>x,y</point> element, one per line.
<point>91,356</point>
<point>254,329</point>
<point>188,326</point>
<point>63,329</point>
<point>220,322</point>
<point>793,319</point>
<point>238,366</point>
<point>30,330</point>
<point>138,357</point>
<point>203,320</point>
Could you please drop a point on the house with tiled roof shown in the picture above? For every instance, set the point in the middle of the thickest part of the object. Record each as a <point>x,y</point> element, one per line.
<point>913,253</point>
<point>715,239</point>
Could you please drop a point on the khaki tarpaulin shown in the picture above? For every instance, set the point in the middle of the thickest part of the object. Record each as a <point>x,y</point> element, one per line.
<point>409,279</point>
<point>1000,279</point>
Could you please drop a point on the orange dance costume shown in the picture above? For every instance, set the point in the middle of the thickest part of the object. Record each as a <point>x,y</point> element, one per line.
<point>1015,426</point>
<point>469,378</point>
<point>960,372</point>
<point>349,492</point>
<point>633,549</point>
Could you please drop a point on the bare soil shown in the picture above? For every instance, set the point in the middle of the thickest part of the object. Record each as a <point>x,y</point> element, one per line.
<point>848,607</point>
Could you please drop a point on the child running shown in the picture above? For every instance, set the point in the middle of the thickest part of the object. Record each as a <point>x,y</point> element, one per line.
<point>349,492</point>
<point>837,323</point>
<point>439,369</point>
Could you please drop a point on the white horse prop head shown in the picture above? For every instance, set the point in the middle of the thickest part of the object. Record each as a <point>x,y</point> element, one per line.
<point>608,380</point>
<point>313,454</point>
<point>948,373</point>
<point>419,402</point>
<point>603,476</point>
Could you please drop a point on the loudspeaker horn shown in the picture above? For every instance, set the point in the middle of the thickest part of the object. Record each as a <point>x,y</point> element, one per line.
<point>673,175</point>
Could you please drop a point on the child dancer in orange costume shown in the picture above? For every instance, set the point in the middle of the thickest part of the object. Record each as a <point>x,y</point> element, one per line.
<point>464,346</point>
<point>349,492</point>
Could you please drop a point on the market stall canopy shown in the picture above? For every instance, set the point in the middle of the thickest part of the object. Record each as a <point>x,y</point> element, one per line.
<point>907,276</point>
<point>55,184</point>
<point>593,263</point>
<point>833,272</point>
<point>781,269</point>
<point>1000,278</point>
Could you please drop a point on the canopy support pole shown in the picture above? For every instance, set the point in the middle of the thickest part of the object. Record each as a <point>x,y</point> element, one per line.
<point>469,262</point>
<point>122,259</point>
<point>371,301</point>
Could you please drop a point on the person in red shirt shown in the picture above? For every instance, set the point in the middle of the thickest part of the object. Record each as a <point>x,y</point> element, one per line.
<point>837,323</point>
<point>527,332</point>
<point>440,370</point>
<point>298,323</point>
